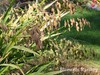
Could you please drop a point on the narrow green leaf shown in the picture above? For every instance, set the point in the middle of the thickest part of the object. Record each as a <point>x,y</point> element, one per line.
<point>43,67</point>
<point>8,11</point>
<point>50,36</point>
<point>14,66</point>
<point>9,46</point>
<point>54,72</point>
<point>6,55</point>
<point>31,69</point>
<point>36,73</point>
<point>25,49</point>
<point>3,70</point>
<point>49,73</point>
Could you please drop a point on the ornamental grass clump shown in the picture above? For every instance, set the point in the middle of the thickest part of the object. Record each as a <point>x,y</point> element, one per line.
<point>23,35</point>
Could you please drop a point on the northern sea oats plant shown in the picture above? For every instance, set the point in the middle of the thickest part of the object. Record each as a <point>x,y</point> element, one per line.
<point>24,31</point>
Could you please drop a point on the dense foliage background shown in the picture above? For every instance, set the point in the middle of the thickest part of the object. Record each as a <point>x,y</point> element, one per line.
<point>41,37</point>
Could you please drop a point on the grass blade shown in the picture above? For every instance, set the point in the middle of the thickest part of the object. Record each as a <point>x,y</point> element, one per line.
<point>36,73</point>
<point>49,5</point>
<point>54,72</point>
<point>14,66</point>
<point>25,49</point>
<point>7,12</point>
<point>3,70</point>
<point>43,67</point>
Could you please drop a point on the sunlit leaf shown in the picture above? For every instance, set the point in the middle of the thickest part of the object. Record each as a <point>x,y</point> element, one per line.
<point>25,49</point>
<point>14,66</point>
